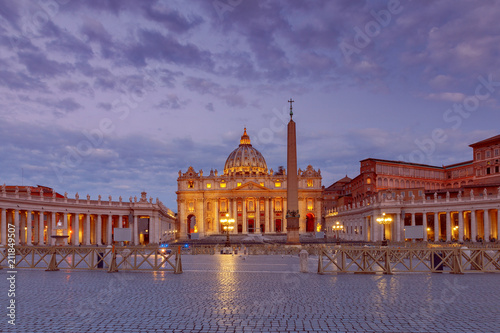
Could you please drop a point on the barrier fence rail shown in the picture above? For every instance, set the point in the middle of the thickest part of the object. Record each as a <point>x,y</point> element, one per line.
<point>389,260</point>
<point>111,259</point>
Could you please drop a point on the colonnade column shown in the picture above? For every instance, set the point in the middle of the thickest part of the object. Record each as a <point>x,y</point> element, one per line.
<point>76,229</point>
<point>41,228</point>
<point>99,230</point>
<point>266,215</point>
<point>498,224</point>
<point>136,230</point>
<point>436,227</point>
<point>16,225</point>
<point>448,226</point>
<point>244,216</point>
<point>486,224</point>
<point>109,228</point>
<point>424,224</point>
<point>52,228</point>
<point>473,226</point>
<point>460,226</point>
<point>22,224</point>
<point>87,229</point>
<point>29,226</point>
<point>4,226</point>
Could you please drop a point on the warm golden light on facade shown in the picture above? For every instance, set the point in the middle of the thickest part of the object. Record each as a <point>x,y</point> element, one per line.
<point>277,184</point>
<point>209,185</point>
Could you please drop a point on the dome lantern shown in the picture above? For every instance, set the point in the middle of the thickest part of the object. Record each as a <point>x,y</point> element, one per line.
<point>245,160</point>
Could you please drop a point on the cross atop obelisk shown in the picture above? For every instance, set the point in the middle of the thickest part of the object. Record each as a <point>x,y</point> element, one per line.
<point>291,112</point>
<point>292,187</point>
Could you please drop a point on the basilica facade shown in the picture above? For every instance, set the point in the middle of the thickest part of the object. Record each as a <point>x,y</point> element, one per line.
<point>248,192</point>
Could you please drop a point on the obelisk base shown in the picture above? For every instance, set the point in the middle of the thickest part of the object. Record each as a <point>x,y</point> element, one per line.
<point>292,232</point>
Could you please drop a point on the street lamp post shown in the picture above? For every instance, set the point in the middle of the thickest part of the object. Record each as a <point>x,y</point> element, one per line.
<point>337,228</point>
<point>384,220</point>
<point>227,225</point>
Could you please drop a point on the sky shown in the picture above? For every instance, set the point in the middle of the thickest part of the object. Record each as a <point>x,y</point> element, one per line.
<point>114,97</point>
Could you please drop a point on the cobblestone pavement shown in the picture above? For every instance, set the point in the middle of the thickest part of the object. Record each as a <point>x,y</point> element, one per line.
<point>257,294</point>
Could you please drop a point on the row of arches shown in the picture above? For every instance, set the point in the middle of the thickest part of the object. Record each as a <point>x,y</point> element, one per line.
<point>402,183</point>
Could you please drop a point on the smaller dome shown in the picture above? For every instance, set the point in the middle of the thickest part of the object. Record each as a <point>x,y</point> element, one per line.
<point>245,159</point>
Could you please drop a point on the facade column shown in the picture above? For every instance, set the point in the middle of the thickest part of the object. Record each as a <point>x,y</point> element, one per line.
<point>29,226</point>
<point>436,227</point>
<point>235,214</point>
<point>244,203</point>
<point>136,230</point>
<point>16,225</point>
<point>257,216</point>
<point>473,226</point>
<point>52,229</point>
<point>486,224</point>
<point>99,230</point>
<point>272,223</point>
<point>266,215</point>
<point>216,220</point>
<point>460,226</point>
<point>413,219</point>
<point>109,228</point>
<point>76,229</point>
<point>284,224</point>
<point>424,224</point>
<point>4,226</point>
<point>448,226</point>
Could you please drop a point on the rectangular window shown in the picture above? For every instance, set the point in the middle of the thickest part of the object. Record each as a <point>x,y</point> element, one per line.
<point>496,169</point>
<point>209,185</point>
<point>488,171</point>
<point>223,185</point>
<point>238,184</point>
<point>497,152</point>
<point>478,156</point>
<point>191,184</point>
<point>488,154</point>
<point>309,183</point>
<point>277,184</point>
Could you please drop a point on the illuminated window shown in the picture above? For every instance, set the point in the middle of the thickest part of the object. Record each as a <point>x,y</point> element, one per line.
<point>251,206</point>
<point>261,184</point>
<point>278,205</point>
<point>191,206</point>
<point>190,184</point>
<point>222,185</point>
<point>261,206</point>
<point>497,152</point>
<point>309,183</point>
<point>238,184</point>
<point>277,184</point>
<point>240,206</point>
<point>310,205</point>
<point>209,185</point>
<point>223,206</point>
<point>368,181</point>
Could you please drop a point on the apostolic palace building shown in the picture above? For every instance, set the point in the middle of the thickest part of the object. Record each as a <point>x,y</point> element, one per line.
<point>459,202</point>
<point>247,191</point>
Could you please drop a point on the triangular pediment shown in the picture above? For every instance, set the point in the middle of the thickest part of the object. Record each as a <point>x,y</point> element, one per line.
<point>251,186</point>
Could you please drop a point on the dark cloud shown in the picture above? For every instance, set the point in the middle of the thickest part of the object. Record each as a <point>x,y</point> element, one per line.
<point>21,81</point>
<point>210,107</point>
<point>38,65</point>
<point>171,102</point>
<point>165,48</point>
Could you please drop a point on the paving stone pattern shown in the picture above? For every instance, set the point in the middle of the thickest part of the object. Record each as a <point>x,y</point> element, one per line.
<point>224,293</point>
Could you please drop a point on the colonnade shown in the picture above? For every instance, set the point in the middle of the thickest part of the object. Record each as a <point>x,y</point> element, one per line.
<point>456,221</point>
<point>34,221</point>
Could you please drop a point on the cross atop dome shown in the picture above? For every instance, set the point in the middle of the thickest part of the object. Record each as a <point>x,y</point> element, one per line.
<point>245,139</point>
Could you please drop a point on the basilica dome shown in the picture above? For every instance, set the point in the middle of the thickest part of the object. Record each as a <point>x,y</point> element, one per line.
<point>245,160</point>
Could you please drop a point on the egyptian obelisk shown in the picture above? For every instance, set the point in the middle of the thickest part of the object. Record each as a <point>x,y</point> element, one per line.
<point>292,193</point>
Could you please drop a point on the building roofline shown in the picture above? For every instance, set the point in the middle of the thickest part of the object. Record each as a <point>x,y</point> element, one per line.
<point>403,163</point>
<point>486,141</point>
